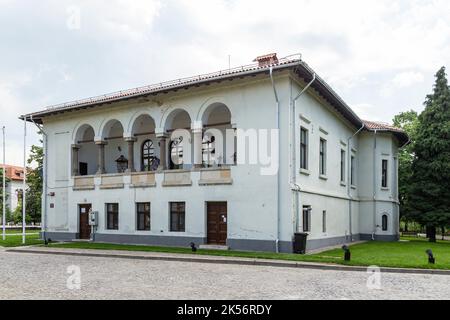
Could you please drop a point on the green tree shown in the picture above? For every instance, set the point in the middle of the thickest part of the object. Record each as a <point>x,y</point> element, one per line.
<point>409,122</point>
<point>430,181</point>
<point>34,182</point>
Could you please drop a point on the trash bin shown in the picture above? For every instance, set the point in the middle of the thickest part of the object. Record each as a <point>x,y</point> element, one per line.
<point>300,243</point>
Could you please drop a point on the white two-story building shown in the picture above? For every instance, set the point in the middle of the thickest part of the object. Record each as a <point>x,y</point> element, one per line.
<point>325,171</point>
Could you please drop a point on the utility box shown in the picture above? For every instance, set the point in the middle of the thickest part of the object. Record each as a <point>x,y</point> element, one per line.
<point>93,218</point>
<point>300,243</point>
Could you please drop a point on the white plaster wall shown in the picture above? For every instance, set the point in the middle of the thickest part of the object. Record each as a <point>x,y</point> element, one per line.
<point>12,189</point>
<point>253,200</point>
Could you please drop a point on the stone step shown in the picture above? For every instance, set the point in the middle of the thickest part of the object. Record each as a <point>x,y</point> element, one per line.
<point>213,247</point>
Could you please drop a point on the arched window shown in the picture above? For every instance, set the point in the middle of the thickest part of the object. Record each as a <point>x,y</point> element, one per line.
<point>384,223</point>
<point>176,154</point>
<point>208,151</point>
<point>148,156</point>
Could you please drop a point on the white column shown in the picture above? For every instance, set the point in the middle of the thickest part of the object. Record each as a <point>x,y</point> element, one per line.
<point>75,162</point>
<point>197,130</point>
<point>101,157</point>
<point>161,137</point>
<point>131,141</point>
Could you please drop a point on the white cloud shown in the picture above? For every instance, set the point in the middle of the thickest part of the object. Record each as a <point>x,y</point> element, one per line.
<point>406,79</point>
<point>379,53</point>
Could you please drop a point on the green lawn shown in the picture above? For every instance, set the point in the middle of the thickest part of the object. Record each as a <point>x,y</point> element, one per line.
<point>16,241</point>
<point>410,254</point>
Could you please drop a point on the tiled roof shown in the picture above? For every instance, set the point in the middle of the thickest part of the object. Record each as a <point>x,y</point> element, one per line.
<point>372,125</point>
<point>163,86</point>
<point>401,135</point>
<point>13,172</point>
<point>294,62</point>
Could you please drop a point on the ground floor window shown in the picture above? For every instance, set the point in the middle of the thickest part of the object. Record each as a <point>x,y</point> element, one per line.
<point>112,216</point>
<point>384,223</point>
<point>177,216</point>
<point>306,218</point>
<point>143,216</point>
<point>324,221</point>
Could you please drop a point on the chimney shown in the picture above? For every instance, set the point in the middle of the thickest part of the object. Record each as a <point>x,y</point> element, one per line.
<point>266,60</point>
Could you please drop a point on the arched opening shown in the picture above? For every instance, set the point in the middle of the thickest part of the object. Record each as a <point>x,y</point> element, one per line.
<point>219,147</point>
<point>147,155</point>
<point>116,147</point>
<point>178,144</point>
<point>384,223</point>
<point>85,152</point>
<point>149,161</point>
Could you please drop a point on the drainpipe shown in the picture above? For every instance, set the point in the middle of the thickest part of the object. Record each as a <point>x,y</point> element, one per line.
<point>349,180</point>
<point>374,184</point>
<point>295,188</point>
<point>277,121</point>
<point>44,182</point>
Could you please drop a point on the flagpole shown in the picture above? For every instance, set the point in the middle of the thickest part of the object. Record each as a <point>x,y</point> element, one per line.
<point>24,181</point>
<point>4,186</point>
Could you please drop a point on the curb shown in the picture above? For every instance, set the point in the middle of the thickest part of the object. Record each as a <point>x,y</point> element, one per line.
<point>231,261</point>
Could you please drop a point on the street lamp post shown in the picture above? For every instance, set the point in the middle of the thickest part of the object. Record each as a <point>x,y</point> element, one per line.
<point>24,181</point>
<point>4,186</point>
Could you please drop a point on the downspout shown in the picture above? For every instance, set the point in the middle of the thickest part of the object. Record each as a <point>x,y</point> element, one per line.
<point>44,182</point>
<point>295,188</point>
<point>349,182</point>
<point>374,184</point>
<point>277,121</point>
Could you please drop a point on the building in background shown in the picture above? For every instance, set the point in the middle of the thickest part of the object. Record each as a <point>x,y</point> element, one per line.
<point>14,186</point>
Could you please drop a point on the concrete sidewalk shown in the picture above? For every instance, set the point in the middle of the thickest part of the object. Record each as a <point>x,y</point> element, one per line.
<point>193,258</point>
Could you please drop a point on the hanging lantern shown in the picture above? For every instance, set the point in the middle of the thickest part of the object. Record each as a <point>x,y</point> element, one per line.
<point>122,164</point>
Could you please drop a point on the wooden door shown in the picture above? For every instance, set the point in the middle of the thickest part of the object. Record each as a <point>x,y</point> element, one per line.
<point>217,217</point>
<point>85,229</point>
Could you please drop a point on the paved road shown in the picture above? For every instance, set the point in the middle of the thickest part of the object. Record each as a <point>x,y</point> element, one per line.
<point>31,276</point>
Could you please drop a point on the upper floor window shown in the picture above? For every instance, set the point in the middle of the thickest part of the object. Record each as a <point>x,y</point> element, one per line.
<point>303,148</point>
<point>352,171</point>
<point>148,159</point>
<point>342,165</point>
<point>176,153</point>
<point>208,151</point>
<point>323,157</point>
<point>384,174</point>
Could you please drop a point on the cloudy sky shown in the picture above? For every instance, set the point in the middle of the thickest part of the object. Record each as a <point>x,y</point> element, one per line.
<point>380,55</point>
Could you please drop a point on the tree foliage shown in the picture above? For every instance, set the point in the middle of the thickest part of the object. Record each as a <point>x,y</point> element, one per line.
<point>409,122</point>
<point>34,182</point>
<point>429,198</point>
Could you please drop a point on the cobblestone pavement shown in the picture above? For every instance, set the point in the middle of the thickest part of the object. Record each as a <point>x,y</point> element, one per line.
<point>31,276</point>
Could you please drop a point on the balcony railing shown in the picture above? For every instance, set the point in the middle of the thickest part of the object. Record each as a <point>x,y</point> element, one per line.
<point>143,180</point>
<point>177,178</point>
<point>84,183</point>
<point>215,176</point>
<point>112,181</point>
<point>172,178</point>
